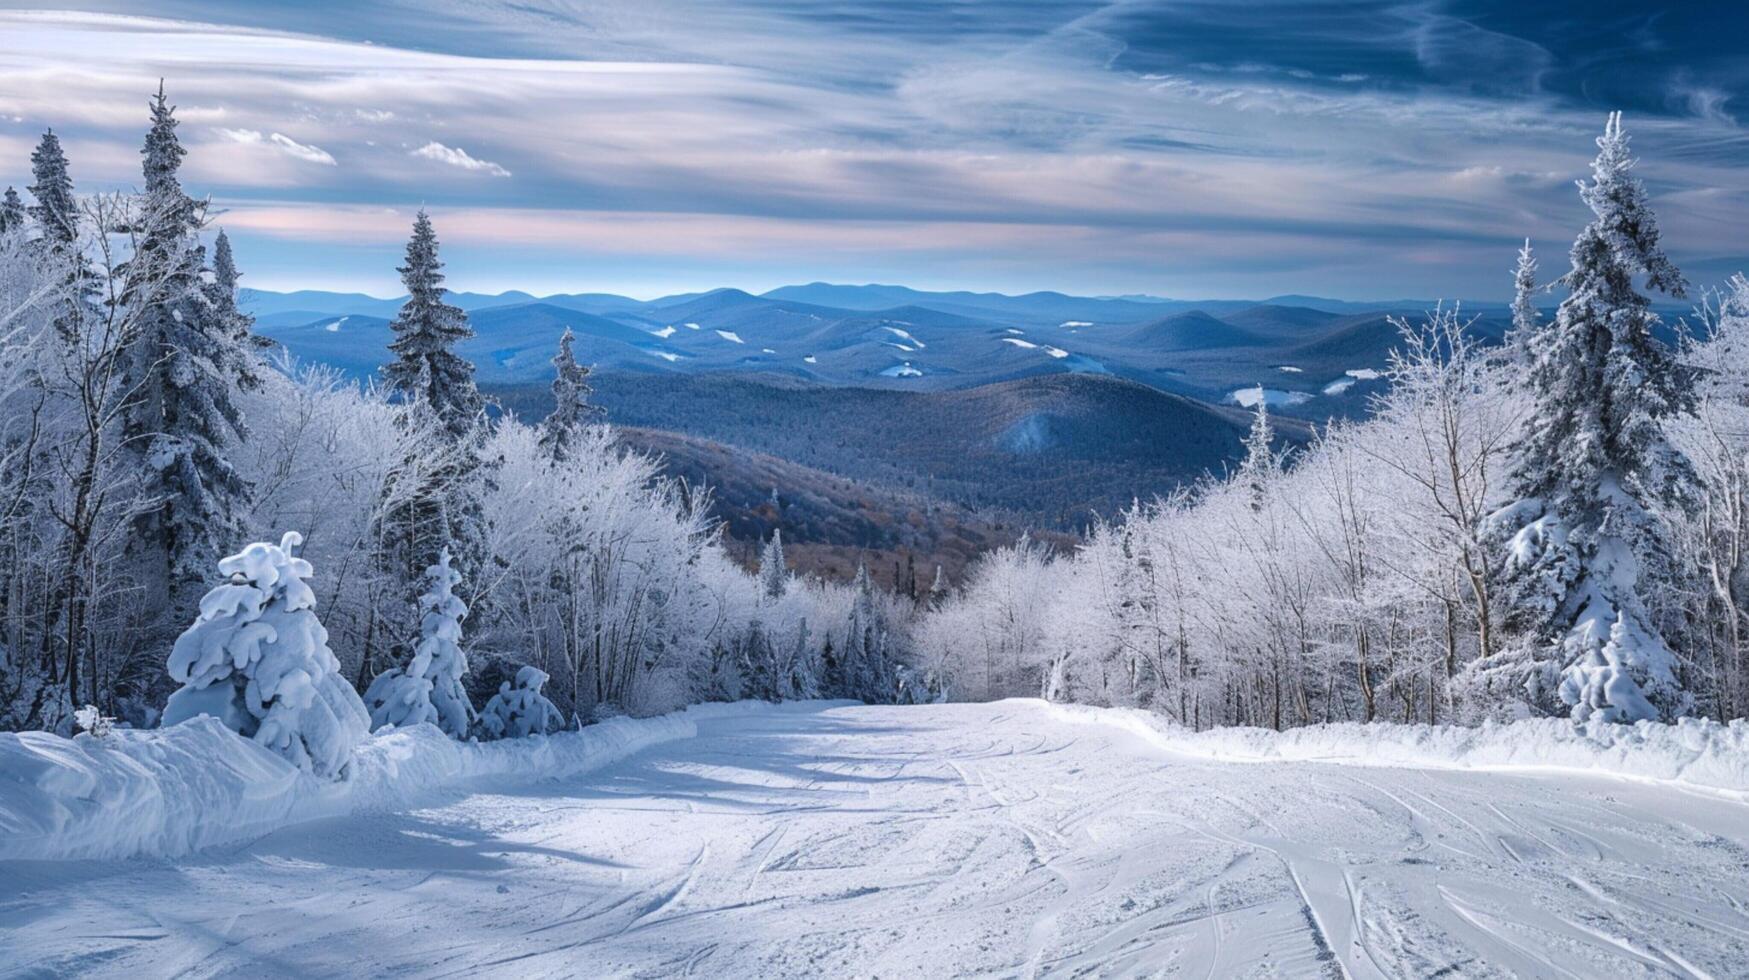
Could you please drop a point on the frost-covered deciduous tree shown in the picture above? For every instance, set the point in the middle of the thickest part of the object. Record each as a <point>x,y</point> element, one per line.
<point>1714,536</point>
<point>257,659</point>
<point>429,687</point>
<point>1583,544</point>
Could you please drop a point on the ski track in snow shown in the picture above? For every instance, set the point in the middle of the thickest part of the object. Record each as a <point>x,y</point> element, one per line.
<point>936,841</point>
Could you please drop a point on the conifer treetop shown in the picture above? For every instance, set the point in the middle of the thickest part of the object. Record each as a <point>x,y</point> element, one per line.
<point>55,210</point>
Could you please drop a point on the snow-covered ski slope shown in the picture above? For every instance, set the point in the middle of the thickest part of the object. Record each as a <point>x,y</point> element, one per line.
<point>1013,838</point>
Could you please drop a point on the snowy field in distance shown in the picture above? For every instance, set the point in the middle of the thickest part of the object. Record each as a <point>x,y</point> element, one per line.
<point>1013,838</point>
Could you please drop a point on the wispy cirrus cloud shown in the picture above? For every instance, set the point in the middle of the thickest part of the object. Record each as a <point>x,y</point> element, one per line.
<point>279,141</point>
<point>455,156</point>
<point>1191,147</point>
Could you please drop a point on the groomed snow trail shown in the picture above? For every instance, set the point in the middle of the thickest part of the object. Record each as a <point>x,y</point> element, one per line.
<point>936,841</point>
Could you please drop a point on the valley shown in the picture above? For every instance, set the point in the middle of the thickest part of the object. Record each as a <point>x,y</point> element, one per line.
<point>901,426</point>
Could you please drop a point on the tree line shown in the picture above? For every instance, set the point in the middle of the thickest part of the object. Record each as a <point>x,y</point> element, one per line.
<point>146,433</point>
<point>1552,527</point>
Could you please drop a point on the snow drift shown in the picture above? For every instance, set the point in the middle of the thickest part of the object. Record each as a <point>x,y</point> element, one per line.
<point>168,792</point>
<point>1697,754</point>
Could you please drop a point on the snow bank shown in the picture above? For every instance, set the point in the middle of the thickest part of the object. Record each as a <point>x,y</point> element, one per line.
<point>171,791</point>
<point>1703,755</point>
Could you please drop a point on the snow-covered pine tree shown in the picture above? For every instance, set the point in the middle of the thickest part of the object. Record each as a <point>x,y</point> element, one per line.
<point>938,589</point>
<point>445,511</point>
<point>429,688</point>
<point>56,210</point>
<point>1525,318</point>
<point>773,573</point>
<point>1260,468</point>
<point>862,668</point>
<point>571,406</point>
<point>222,293</point>
<point>1581,536</point>
<point>520,709</point>
<point>257,659</point>
<point>427,329</point>
<point>182,414</point>
<point>804,665</point>
<point>12,212</point>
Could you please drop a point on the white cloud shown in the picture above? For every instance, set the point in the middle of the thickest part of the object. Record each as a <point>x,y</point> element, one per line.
<point>455,156</point>
<point>281,142</point>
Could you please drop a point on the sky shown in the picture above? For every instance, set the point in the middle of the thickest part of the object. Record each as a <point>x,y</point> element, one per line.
<point>1192,149</point>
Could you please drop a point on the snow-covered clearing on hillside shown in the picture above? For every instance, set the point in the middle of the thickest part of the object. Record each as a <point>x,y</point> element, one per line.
<point>1249,397</point>
<point>730,336</point>
<point>1014,838</point>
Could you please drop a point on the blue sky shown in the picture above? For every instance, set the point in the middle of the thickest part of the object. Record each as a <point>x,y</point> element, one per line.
<point>1187,149</point>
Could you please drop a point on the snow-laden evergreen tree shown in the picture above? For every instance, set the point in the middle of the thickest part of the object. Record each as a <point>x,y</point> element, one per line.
<point>222,293</point>
<point>444,510</point>
<point>859,668</point>
<point>257,659</point>
<point>572,409</point>
<point>56,210</point>
<point>1583,543</point>
<point>773,573</point>
<point>429,688</point>
<point>1260,466</point>
<point>519,708</point>
<point>12,213</point>
<point>182,373</point>
<point>1525,318</point>
<point>427,329</point>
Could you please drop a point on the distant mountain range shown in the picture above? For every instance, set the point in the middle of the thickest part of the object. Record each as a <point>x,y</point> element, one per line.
<point>1305,354</point>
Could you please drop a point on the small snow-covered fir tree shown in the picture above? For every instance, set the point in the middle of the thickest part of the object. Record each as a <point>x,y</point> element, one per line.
<point>859,668</point>
<point>429,688</point>
<point>12,212</point>
<point>1525,318</point>
<point>56,210</point>
<point>182,372</point>
<point>1581,538</point>
<point>773,573</point>
<point>519,708</point>
<point>571,407</point>
<point>257,659</point>
<point>1260,468</point>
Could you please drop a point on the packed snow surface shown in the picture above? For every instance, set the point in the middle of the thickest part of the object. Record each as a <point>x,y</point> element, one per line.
<point>1015,838</point>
